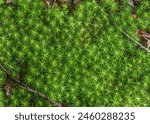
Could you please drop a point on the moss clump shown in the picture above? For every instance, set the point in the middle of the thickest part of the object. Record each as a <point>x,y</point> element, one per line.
<point>77,58</point>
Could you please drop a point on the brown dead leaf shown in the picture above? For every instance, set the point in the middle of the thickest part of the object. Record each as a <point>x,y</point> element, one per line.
<point>7,88</point>
<point>145,37</point>
<point>144,34</point>
<point>9,1</point>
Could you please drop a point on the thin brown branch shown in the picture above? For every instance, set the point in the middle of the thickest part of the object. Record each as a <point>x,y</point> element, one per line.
<point>3,68</point>
<point>29,89</point>
<point>136,42</point>
<point>133,40</point>
<point>54,103</point>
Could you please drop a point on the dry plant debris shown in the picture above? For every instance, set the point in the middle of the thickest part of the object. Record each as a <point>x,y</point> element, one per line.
<point>47,2</point>
<point>145,37</point>
<point>9,1</point>
<point>133,3</point>
<point>7,88</point>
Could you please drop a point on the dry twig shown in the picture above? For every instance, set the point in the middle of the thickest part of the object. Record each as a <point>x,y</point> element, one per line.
<point>136,42</point>
<point>24,86</point>
<point>133,40</point>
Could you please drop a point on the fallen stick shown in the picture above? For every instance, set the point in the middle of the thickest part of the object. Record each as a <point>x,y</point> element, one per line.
<point>136,42</point>
<point>133,40</point>
<point>22,85</point>
<point>54,103</point>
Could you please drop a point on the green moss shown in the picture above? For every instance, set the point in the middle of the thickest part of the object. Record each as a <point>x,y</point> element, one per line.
<point>76,58</point>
